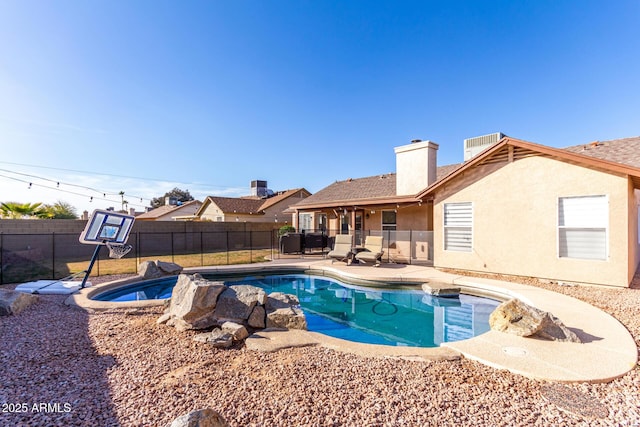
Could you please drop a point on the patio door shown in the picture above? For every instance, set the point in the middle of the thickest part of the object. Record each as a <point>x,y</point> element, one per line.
<point>359,228</point>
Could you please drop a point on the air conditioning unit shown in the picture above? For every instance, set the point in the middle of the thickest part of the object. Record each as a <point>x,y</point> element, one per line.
<point>473,146</point>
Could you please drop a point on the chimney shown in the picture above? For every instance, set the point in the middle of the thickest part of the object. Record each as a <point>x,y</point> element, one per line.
<point>416,165</point>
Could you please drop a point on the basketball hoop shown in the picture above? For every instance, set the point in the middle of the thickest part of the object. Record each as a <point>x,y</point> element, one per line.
<point>117,250</point>
<point>110,229</point>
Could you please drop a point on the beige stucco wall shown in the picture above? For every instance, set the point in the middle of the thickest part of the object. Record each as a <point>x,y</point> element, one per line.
<point>181,211</point>
<point>634,232</point>
<point>515,221</point>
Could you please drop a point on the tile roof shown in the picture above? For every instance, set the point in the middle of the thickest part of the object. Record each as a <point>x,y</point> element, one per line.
<point>625,151</point>
<point>371,187</point>
<point>358,188</point>
<point>280,197</point>
<point>236,204</point>
<point>164,210</point>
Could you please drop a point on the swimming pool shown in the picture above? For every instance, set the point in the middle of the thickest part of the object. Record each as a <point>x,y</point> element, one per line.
<point>399,317</point>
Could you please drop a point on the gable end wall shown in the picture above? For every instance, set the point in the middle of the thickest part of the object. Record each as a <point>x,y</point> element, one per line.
<point>515,220</point>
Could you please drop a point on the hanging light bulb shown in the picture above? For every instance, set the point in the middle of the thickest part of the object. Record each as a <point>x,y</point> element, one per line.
<point>91,199</point>
<point>29,186</point>
<point>57,185</point>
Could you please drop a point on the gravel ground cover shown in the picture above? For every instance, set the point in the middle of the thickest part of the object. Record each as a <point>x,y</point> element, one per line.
<point>60,366</point>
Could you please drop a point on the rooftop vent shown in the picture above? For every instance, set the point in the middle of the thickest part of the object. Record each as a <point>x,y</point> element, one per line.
<point>473,146</point>
<point>259,189</point>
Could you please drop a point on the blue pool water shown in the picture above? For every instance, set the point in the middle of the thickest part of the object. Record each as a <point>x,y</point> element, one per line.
<point>397,317</point>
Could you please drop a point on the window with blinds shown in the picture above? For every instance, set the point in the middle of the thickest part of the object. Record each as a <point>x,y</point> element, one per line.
<point>458,221</point>
<point>582,227</point>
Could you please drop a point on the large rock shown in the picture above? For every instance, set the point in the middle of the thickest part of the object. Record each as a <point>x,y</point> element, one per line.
<point>193,302</point>
<point>200,418</point>
<point>517,318</point>
<point>168,268</point>
<point>155,269</point>
<point>13,302</point>
<point>148,270</point>
<point>258,317</point>
<point>283,312</point>
<point>238,332</point>
<point>276,300</point>
<point>237,302</point>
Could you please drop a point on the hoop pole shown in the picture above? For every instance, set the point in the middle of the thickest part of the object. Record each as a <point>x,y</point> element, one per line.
<point>93,260</point>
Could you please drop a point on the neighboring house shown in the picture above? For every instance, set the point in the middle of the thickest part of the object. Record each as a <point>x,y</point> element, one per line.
<point>515,208</point>
<point>176,212</point>
<point>251,209</point>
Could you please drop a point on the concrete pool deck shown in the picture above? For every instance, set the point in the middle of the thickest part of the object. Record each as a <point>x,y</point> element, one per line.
<point>608,351</point>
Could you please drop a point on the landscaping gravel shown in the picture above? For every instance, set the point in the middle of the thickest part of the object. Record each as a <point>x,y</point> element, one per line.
<point>60,366</point>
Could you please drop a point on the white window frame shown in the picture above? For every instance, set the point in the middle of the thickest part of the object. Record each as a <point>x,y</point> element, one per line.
<point>305,222</point>
<point>460,226</point>
<point>572,216</point>
<point>388,226</point>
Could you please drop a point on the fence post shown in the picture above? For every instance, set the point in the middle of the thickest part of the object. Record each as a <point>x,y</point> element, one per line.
<point>250,246</point>
<point>53,255</point>
<point>410,247</point>
<point>201,250</point>
<point>137,250</point>
<point>172,249</point>
<point>1,259</point>
<point>227,247</point>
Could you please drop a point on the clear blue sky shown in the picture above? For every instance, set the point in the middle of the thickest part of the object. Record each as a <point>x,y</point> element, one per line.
<point>144,96</point>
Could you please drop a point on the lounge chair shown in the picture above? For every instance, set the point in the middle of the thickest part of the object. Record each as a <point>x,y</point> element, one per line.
<point>372,250</point>
<point>341,249</point>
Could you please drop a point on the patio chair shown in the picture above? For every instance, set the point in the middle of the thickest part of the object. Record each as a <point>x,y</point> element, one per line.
<point>341,249</point>
<point>372,250</point>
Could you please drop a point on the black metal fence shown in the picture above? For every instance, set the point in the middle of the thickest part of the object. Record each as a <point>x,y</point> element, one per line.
<point>29,257</point>
<point>399,246</point>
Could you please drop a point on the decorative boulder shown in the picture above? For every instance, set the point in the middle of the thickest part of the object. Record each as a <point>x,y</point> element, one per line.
<point>13,302</point>
<point>155,269</point>
<point>197,303</point>
<point>283,311</point>
<point>237,302</point>
<point>193,302</point>
<point>201,418</point>
<point>517,318</point>
<point>148,270</point>
<point>168,268</point>
<point>238,332</point>
<point>258,316</point>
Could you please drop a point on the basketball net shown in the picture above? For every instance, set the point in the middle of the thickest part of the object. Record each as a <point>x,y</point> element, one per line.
<point>117,250</point>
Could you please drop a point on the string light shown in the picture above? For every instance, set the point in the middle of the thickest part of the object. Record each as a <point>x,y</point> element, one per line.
<point>31,184</point>
<point>57,182</point>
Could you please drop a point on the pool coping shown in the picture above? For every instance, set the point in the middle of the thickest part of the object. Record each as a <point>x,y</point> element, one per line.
<point>608,350</point>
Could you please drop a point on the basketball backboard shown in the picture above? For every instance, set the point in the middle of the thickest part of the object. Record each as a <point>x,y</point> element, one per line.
<point>107,226</point>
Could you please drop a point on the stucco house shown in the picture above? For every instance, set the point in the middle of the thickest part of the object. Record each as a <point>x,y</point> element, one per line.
<point>252,208</point>
<point>172,212</point>
<point>515,208</point>
<point>530,210</point>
